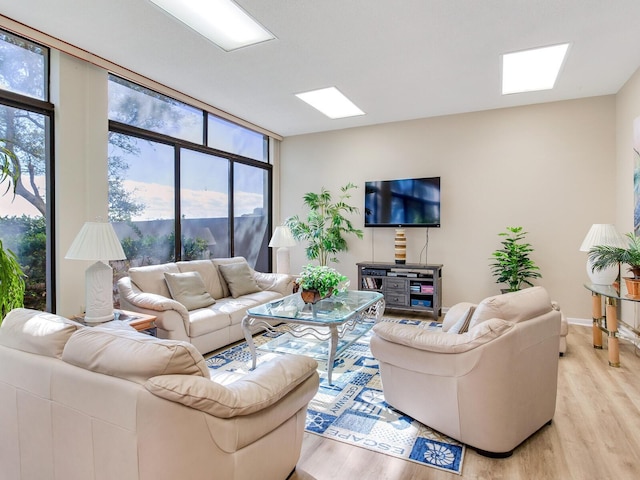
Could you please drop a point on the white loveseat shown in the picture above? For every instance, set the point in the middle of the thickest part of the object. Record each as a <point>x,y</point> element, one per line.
<point>229,282</point>
<point>84,403</point>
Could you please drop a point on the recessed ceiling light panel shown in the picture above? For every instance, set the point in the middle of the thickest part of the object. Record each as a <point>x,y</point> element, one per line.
<point>221,21</point>
<point>532,70</point>
<point>331,102</point>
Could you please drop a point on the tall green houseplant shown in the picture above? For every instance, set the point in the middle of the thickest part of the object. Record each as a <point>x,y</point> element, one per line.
<point>12,284</point>
<point>326,224</point>
<point>512,264</point>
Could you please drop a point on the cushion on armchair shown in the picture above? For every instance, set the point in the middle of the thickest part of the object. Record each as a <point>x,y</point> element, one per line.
<point>442,342</point>
<point>256,391</point>
<point>132,355</point>
<point>514,306</point>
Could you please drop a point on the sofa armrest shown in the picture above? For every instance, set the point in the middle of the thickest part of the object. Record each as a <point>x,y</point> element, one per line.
<point>259,389</point>
<point>442,342</point>
<point>149,301</point>
<point>276,282</point>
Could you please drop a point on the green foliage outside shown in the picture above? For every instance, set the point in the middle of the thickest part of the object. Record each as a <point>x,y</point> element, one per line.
<point>512,264</point>
<point>326,225</point>
<point>11,282</point>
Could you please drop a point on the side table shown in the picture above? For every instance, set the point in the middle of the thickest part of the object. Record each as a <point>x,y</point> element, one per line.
<point>608,323</point>
<point>140,321</point>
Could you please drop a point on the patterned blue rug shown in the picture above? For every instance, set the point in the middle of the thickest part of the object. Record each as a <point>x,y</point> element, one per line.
<point>353,409</point>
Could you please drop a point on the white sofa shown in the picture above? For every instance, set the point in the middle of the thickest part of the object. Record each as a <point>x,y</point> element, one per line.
<point>84,403</point>
<point>490,387</point>
<point>210,327</point>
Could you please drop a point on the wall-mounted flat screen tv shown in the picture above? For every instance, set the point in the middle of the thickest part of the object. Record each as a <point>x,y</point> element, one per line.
<point>412,202</point>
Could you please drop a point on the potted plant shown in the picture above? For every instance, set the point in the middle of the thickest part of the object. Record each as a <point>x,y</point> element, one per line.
<point>319,281</point>
<point>325,225</point>
<point>12,284</point>
<point>603,256</point>
<point>512,264</point>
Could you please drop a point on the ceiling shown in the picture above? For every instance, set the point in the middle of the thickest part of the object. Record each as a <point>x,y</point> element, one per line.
<point>396,60</point>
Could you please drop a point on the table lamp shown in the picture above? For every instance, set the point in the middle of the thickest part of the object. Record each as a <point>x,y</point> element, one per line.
<point>602,234</point>
<point>97,241</point>
<point>282,239</point>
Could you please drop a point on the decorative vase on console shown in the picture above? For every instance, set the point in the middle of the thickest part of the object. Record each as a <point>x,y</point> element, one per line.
<point>400,243</point>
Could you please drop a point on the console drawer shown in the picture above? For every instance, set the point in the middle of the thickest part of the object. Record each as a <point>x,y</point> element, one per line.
<point>396,284</point>
<point>393,298</point>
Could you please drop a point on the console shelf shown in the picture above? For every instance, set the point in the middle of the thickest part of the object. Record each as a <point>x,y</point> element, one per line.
<point>410,287</point>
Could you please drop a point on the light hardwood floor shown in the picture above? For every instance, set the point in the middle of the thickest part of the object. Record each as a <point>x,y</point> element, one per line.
<point>595,433</point>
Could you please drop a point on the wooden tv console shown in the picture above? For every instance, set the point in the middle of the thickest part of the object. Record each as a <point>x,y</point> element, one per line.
<point>410,287</point>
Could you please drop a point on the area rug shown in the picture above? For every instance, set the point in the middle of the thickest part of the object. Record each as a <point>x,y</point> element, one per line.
<point>353,409</point>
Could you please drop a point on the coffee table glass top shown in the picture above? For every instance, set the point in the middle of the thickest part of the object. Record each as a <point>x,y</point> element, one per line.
<point>335,309</point>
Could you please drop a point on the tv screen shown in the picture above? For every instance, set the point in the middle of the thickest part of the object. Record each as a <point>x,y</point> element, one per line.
<point>413,202</point>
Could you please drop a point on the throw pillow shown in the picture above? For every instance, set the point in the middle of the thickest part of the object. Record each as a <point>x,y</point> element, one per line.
<point>239,279</point>
<point>462,325</point>
<point>454,314</point>
<point>188,289</point>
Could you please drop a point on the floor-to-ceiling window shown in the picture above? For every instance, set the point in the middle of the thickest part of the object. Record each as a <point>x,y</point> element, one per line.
<point>183,183</point>
<point>26,218</point>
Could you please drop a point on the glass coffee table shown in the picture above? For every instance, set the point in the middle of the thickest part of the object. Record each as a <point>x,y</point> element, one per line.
<point>329,319</point>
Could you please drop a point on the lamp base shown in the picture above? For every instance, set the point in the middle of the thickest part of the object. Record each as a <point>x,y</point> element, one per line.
<point>283,260</point>
<point>602,277</point>
<point>99,293</point>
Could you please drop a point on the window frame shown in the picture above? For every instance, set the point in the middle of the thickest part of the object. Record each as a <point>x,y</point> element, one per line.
<point>47,109</point>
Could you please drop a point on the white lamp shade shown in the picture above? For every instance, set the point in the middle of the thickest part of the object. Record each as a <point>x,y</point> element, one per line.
<point>602,234</point>
<point>96,241</point>
<point>282,237</point>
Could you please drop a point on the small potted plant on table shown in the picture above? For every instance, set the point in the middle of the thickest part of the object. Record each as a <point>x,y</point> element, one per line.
<point>604,256</point>
<point>319,281</point>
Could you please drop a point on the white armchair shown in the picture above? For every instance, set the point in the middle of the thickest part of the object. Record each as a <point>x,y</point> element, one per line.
<point>491,387</point>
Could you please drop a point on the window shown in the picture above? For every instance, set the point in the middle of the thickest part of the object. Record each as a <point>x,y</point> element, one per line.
<point>232,138</point>
<point>141,196</point>
<point>26,221</point>
<point>161,173</point>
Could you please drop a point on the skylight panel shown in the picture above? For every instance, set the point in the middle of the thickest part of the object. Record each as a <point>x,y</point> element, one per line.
<point>221,21</point>
<point>331,102</point>
<point>532,70</point>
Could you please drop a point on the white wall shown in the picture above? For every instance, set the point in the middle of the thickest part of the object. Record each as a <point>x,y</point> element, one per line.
<point>550,168</point>
<point>627,110</point>
<point>79,92</point>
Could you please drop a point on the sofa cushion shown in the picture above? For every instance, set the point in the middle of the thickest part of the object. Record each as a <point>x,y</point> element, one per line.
<point>209,273</point>
<point>456,315</point>
<point>36,332</point>
<point>239,279</point>
<point>188,289</point>
<point>514,306</point>
<point>226,261</point>
<point>150,278</point>
<point>257,390</point>
<point>131,355</point>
